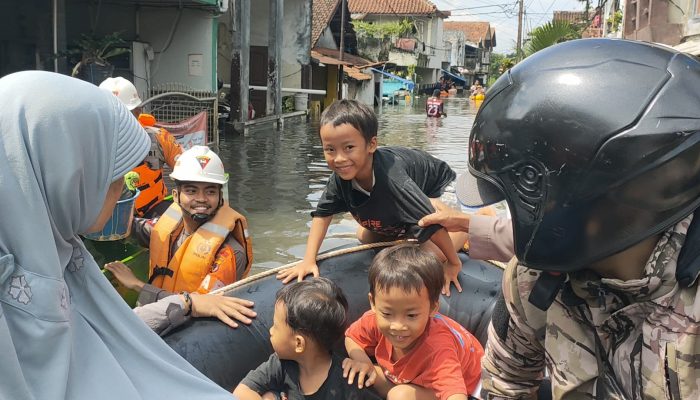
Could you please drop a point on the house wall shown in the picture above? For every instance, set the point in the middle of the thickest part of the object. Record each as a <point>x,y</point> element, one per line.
<point>296,27</point>
<point>402,58</point>
<point>426,75</point>
<point>430,45</point>
<point>193,36</point>
<point>655,21</point>
<point>437,51</point>
<point>192,33</point>
<point>326,40</point>
<point>456,41</point>
<point>364,91</point>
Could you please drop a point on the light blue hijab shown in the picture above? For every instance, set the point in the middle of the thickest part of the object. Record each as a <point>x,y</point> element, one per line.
<point>64,331</point>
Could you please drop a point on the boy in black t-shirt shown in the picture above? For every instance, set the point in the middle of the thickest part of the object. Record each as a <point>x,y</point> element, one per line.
<point>310,317</point>
<point>387,190</point>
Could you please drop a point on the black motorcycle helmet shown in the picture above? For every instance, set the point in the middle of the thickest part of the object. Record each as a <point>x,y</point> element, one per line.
<point>594,144</point>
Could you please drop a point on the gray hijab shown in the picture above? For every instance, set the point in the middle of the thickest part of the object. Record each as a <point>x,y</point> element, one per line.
<point>64,331</point>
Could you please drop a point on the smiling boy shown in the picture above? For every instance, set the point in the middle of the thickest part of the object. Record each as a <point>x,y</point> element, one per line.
<point>420,353</point>
<point>386,189</point>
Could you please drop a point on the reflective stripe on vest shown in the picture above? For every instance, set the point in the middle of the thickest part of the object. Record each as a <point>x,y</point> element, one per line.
<point>193,260</point>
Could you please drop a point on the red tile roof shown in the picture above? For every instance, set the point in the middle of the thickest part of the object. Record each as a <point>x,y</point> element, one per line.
<point>474,32</point>
<point>322,13</point>
<point>398,7</point>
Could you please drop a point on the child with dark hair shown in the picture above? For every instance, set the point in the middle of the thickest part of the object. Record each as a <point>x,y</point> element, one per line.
<point>434,106</point>
<point>386,189</point>
<point>310,317</point>
<point>420,353</point>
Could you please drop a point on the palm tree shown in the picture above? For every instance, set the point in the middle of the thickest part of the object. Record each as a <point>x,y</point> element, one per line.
<point>549,34</point>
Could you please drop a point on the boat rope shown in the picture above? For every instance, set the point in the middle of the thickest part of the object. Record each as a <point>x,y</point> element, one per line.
<point>323,256</point>
<point>320,257</point>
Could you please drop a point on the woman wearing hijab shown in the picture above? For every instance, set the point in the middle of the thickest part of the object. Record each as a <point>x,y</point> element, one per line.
<point>64,331</point>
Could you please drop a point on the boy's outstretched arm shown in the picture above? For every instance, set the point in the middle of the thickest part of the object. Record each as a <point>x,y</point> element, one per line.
<point>319,226</point>
<point>453,265</point>
<point>358,364</point>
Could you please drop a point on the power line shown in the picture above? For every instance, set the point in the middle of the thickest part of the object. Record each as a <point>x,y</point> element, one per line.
<point>476,7</point>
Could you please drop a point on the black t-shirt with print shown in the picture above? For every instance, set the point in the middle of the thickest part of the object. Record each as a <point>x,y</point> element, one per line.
<point>282,377</point>
<point>404,180</point>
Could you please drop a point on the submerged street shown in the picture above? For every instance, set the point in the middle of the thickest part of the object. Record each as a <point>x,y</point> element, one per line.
<point>276,177</point>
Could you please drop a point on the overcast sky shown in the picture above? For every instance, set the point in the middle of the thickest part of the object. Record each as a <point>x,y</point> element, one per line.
<point>503,15</point>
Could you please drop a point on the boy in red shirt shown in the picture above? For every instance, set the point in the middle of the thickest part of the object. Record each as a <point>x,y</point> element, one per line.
<point>420,353</point>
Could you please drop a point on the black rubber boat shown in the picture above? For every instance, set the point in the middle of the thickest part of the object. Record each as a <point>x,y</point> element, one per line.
<point>226,355</point>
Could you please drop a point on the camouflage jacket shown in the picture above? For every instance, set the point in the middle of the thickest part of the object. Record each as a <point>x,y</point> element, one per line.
<point>648,327</point>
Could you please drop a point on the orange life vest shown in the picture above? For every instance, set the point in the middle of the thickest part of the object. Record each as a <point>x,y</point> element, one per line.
<point>151,183</point>
<point>194,258</point>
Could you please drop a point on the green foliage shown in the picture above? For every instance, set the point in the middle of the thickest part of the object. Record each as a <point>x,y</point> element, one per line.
<point>382,30</point>
<point>411,71</point>
<point>95,49</point>
<point>500,63</point>
<point>287,104</point>
<point>550,34</point>
<point>614,21</point>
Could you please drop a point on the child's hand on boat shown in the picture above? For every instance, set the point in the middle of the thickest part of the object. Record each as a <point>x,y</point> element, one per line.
<point>299,271</point>
<point>365,372</point>
<point>226,309</point>
<point>124,275</point>
<point>451,276</point>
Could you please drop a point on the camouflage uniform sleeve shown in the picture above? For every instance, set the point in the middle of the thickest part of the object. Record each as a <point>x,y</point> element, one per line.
<point>513,365</point>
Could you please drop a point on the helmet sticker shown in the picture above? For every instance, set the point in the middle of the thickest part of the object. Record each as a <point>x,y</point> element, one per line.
<point>203,161</point>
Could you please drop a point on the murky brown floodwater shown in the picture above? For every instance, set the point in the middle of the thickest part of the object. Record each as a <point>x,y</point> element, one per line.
<point>276,177</point>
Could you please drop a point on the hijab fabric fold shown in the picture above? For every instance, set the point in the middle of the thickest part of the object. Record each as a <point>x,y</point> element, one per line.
<point>64,331</point>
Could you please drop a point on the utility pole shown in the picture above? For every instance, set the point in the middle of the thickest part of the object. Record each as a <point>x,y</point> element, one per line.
<point>518,50</point>
<point>341,74</point>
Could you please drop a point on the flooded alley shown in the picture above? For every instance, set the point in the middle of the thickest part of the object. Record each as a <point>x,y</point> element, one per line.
<point>276,177</point>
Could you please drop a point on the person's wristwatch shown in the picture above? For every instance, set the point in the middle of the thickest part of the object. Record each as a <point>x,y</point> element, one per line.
<point>188,302</point>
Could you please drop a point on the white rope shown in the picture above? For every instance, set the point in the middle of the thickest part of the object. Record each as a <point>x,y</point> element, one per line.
<point>324,256</point>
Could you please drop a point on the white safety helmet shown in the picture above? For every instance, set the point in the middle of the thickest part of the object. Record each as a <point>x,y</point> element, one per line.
<point>199,164</point>
<point>124,90</point>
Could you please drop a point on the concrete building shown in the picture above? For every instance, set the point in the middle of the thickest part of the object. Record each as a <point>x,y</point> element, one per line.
<point>169,40</point>
<point>348,76</point>
<point>478,43</point>
<point>265,45</point>
<point>421,50</point>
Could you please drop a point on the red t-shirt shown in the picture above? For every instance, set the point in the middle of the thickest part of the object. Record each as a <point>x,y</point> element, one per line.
<point>446,359</point>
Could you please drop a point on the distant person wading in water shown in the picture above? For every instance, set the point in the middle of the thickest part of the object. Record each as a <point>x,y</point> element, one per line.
<point>434,106</point>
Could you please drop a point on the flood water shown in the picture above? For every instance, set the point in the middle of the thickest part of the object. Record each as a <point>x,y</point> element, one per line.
<point>276,177</point>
